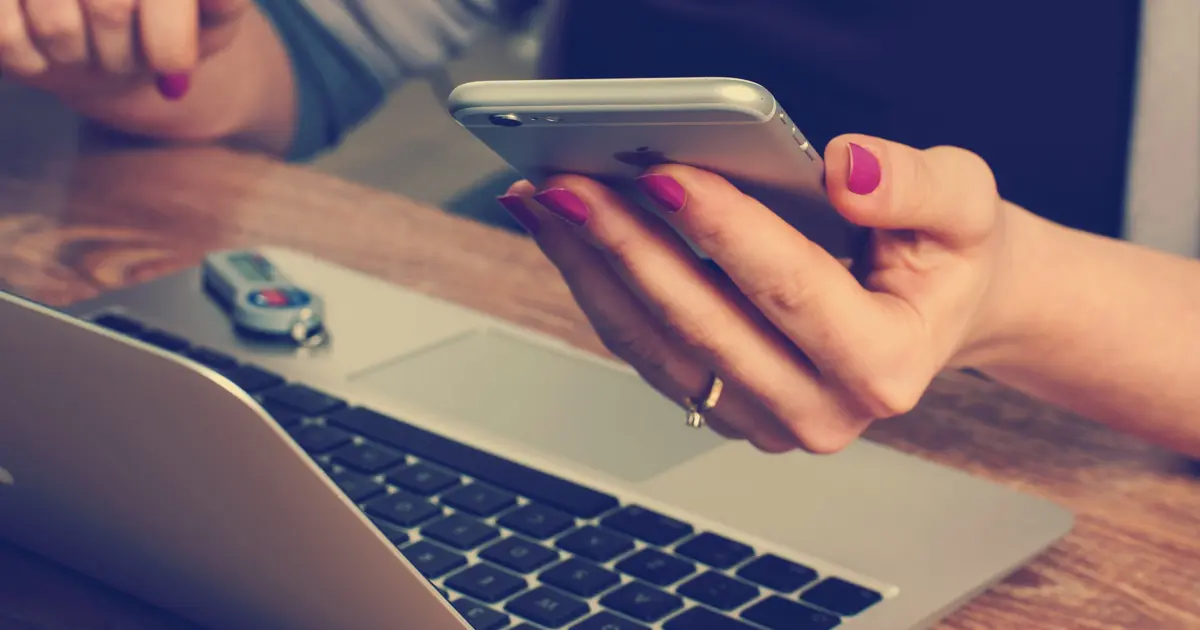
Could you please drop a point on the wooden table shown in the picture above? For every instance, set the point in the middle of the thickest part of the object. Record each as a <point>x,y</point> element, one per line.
<point>75,225</point>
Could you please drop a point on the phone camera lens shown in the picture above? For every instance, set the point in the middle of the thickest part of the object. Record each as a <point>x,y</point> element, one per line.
<point>505,120</point>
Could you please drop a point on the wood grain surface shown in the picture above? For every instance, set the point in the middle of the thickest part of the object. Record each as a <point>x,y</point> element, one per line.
<point>78,224</point>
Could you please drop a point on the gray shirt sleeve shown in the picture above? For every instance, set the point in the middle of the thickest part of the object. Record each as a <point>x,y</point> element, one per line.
<point>348,54</point>
<point>398,39</point>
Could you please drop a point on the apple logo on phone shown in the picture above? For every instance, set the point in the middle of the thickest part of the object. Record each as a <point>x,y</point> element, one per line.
<point>641,158</point>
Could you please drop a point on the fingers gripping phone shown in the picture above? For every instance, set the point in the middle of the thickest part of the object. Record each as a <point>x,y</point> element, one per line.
<point>614,129</point>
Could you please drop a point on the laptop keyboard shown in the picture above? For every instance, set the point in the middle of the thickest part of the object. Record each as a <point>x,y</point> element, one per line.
<point>516,548</point>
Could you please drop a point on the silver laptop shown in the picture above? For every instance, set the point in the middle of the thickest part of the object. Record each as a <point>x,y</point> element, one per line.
<point>433,468</point>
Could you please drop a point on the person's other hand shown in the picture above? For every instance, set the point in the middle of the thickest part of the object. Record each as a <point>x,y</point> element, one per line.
<point>85,49</point>
<point>809,355</point>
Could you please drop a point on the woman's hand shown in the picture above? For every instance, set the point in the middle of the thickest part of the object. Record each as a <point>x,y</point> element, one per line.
<point>809,355</point>
<point>87,49</point>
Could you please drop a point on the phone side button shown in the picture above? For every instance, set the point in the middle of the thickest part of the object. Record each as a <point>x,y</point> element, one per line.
<point>804,143</point>
<point>807,148</point>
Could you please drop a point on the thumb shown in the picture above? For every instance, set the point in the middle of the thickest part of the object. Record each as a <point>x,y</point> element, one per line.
<point>214,13</point>
<point>219,20</point>
<point>945,192</point>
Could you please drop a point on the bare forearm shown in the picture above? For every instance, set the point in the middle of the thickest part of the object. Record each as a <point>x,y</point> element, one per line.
<point>243,94</point>
<point>1105,329</point>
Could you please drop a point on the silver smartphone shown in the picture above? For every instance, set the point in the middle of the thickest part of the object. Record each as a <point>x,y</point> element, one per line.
<point>613,129</point>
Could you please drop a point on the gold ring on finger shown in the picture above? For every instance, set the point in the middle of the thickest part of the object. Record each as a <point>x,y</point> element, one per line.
<point>696,410</point>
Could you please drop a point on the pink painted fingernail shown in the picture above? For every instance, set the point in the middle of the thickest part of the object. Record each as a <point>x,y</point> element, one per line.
<point>173,86</point>
<point>864,171</point>
<point>664,190</point>
<point>520,212</point>
<point>565,204</point>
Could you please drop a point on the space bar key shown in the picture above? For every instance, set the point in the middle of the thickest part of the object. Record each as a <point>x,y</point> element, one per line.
<point>565,495</point>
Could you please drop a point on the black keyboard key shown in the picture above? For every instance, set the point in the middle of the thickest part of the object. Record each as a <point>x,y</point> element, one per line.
<point>479,499</point>
<point>842,597</point>
<point>642,602</point>
<point>560,493</point>
<point>394,534</point>
<point>165,340</point>
<point>213,359</point>
<point>424,479</point>
<point>580,577</point>
<point>715,551</point>
<point>367,458</point>
<point>303,400</point>
<point>527,626</point>
<point>120,323</point>
<point>605,620</point>
<point>777,574</point>
<point>718,590</point>
<point>537,521</point>
<point>253,379</point>
<point>548,607</point>
<point>433,561</point>
<point>403,509</point>
<point>596,543</point>
<point>519,555</point>
<point>656,567</point>
<point>460,531</point>
<point>647,525</point>
<point>486,583</point>
<point>285,418</point>
<point>479,616</point>
<point>778,613</point>
<point>357,487</point>
<point>318,439</point>
<point>704,619</point>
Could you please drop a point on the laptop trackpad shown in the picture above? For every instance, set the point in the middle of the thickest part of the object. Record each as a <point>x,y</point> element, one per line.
<point>557,402</point>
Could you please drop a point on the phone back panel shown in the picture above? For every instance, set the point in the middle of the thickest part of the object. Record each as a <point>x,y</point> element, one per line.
<point>613,129</point>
